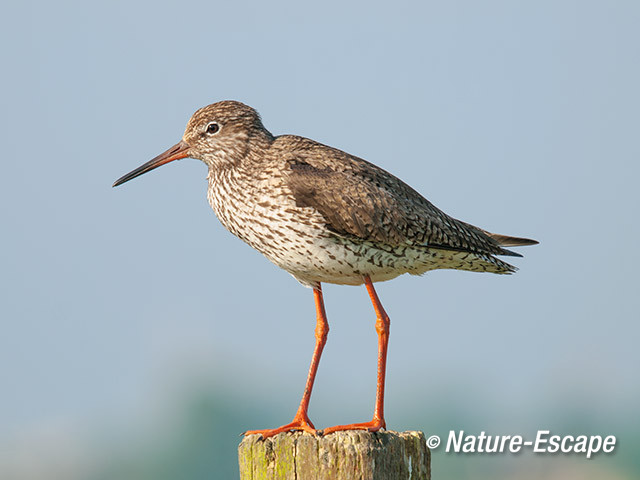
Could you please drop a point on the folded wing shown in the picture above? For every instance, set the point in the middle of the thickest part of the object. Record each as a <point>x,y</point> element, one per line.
<point>360,200</point>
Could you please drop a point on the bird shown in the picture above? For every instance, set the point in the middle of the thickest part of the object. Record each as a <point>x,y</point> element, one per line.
<point>325,216</point>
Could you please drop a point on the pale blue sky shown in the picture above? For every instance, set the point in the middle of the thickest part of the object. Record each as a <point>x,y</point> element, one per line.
<point>519,117</point>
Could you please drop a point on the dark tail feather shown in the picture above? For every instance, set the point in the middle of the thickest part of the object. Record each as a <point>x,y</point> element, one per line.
<point>507,241</point>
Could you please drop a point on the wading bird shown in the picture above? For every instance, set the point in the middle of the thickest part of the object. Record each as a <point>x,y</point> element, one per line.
<point>325,216</point>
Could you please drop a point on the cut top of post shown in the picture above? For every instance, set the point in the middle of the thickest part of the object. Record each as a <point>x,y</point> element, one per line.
<point>342,455</point>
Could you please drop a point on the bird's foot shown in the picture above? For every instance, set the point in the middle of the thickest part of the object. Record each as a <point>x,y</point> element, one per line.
<point>300,423</point>
<point>372,426</point>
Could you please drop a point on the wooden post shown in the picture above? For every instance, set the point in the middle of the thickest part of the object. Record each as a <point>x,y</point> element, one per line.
<point>350,455</point>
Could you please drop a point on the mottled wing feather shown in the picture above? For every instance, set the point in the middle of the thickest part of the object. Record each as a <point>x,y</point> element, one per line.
<point>360,200</point>
<point>348,208</point>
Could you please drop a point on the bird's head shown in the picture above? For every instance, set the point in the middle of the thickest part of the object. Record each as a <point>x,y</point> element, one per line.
<point>219,134</point>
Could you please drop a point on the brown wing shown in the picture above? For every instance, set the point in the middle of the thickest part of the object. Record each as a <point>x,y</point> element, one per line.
<point>360,200</point>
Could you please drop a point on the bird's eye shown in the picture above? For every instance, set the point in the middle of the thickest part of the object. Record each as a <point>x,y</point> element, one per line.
<point>212,128</point>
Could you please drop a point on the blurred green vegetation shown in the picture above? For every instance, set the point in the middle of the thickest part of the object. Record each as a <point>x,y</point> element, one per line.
<point>205,430</point>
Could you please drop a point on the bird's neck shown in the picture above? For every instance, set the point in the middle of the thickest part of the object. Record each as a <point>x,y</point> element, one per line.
<point>260,140</point>
<point>238,165</point>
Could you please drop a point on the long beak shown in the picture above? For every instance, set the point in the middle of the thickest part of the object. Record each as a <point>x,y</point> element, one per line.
<point>178,151</point>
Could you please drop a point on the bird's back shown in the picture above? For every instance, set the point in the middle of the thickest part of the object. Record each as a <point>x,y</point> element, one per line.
<point>325,215</point>
<point>361,200</point>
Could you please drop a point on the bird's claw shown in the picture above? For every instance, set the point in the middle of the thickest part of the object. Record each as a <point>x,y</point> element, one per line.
<point>297,425</point>
<point>372,426</point>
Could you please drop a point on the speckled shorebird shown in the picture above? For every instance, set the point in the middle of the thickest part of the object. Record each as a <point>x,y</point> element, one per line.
<point>325,216</point>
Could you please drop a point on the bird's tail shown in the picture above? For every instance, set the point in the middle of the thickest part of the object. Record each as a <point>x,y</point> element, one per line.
<point>507,241</point>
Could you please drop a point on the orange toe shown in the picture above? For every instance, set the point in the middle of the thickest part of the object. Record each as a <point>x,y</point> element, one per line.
<point>298,424</point>
<point>372,426</point>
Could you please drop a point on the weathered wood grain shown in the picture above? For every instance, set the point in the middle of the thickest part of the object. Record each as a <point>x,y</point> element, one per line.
<point>342,455</point>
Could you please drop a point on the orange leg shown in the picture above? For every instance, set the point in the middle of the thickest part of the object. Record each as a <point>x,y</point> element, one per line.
<point>382,327</point>
<point>301,420</point>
